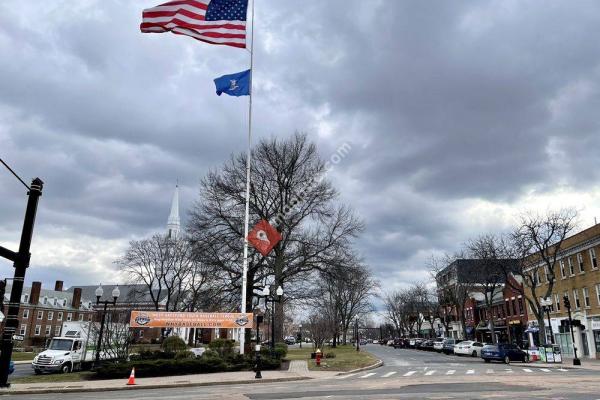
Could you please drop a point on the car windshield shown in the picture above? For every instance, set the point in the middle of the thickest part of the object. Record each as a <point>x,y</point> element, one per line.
<point>60,344</point>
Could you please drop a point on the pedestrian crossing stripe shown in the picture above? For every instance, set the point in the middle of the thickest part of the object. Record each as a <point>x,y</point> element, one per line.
<point>448,372</point>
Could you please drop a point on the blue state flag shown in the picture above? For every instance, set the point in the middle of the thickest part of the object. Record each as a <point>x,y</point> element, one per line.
<point>237,84</point>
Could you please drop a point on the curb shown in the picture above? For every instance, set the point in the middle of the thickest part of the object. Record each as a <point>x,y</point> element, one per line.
<point>71,389</point>
<point>22,362</point>
<point>378,364</point>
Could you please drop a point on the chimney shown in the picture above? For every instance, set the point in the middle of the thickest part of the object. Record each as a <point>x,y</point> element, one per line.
<point>34,296</point>
<point>58,286</point>
<point>76,298</point>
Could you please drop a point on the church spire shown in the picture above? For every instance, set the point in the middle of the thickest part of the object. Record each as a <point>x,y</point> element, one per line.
<point>173,223</point>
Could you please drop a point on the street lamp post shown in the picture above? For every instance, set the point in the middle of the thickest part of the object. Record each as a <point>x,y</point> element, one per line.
<point>99,293</point>
<point>576,361</point>
<point>300,336</point>
<point>259,319</point>
<point>356,335</point>
<point>546,303</point>
<point>273,298</point>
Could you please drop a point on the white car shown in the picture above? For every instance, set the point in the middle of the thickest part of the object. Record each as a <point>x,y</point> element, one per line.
<point>438,344</point>
<point>468,348</point>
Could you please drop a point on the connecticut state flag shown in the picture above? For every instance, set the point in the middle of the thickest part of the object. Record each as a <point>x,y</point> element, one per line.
<point>264,237</point>
<point>237,84</point>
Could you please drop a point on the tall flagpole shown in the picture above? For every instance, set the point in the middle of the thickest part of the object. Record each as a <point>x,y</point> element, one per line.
<point>247,215</point>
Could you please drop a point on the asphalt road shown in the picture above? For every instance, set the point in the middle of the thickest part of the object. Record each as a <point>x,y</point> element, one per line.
<point>407,374</point>
<point>22,370</point>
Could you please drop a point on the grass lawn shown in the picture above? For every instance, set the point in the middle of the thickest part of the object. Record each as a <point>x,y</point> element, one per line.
<point>72,377</point>
<point>346,358</point>
<point>22,356</point>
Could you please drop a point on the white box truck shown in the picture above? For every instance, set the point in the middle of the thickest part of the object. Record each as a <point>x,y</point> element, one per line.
<point>73,350</point>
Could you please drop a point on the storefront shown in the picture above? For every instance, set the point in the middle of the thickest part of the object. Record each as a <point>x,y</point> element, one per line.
<point>596,334</point>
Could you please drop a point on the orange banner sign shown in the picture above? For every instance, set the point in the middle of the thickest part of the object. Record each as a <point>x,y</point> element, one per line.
<point>159,319</point>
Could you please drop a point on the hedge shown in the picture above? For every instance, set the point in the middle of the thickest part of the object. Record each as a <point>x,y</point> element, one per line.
<point>153,368</point>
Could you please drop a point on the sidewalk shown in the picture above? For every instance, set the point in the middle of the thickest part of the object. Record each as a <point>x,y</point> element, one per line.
<point>586,363</point>
<point>221,378</point>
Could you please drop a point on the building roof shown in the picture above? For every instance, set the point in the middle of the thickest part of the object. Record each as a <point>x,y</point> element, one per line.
<point>129,294</point>
<point>64,299</point>
<point>478,270</point>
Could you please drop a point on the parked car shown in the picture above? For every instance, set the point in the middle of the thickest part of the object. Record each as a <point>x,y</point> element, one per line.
<point>363,342</point>
<point>289,340</point>
<point>448,346</point>
<point>505,352</point>
<point>438,344</point>
<point>414,342</point>
<point>468,348</point>
<point>11,367</point>
<point>400,343</point>
<point>426,345</point>
<point>390,342</point>
<point>375,341</point>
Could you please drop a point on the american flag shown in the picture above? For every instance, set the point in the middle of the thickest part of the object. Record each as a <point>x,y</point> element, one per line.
<point>212,21</point>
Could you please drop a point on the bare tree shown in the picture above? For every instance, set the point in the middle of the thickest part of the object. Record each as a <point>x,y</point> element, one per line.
<point>116,337</point>
<point>320,329</point>
<point>285,176</point>
<point>537,243</point>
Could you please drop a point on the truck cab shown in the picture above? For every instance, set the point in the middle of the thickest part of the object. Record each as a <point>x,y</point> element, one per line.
<point>62,354</point>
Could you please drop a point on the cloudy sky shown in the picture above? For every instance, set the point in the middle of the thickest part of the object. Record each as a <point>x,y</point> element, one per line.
<point>460,114</point>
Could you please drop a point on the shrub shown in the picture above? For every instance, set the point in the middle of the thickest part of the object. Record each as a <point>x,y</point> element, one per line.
<point>181,355</point>
<point>224,347</point>
<point>152,355</point>
<point>173,344</point>
<point>330,355</point>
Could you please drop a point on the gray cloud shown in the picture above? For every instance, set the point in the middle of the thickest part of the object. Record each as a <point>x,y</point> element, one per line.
<point>447,105</point>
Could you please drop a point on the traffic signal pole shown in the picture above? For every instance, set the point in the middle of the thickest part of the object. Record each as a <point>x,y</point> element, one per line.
<point>21,263</point>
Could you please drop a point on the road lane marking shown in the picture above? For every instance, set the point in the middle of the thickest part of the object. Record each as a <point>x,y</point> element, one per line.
<point>470,372</point>
<point>450,372</point>
<point>545,369</point>
<point>563,370</point>
<point>430,372</point>
<point>409,373</point>
<point>489,371</point>
<point>389,374</point>
<point>367,375</point>
<point>527,370</point>
<point>347,376</point>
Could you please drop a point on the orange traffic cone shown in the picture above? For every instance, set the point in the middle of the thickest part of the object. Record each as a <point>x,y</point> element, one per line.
<point>131,380</point>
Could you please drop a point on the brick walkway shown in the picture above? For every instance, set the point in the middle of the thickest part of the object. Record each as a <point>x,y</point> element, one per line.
<point>298,366</point>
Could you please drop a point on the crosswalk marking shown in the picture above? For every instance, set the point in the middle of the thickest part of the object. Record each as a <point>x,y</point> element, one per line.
<point>347,376</point>
<point>545,369</point>
<point>489,371</point>
<point>508,371</point>
<point>527,370</point>
<point>450,372</point>
<point>368,375</point>
<point>563,370</point>
<point>409,373</point>
<point>428,373</point>
<point>470,372</point>
<point>389,374</point>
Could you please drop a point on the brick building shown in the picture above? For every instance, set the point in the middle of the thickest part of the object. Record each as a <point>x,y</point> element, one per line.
<point>43,311</point>
<point>577,274</point>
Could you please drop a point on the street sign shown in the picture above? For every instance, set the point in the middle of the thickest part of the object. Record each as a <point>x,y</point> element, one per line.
<point>18,338</point>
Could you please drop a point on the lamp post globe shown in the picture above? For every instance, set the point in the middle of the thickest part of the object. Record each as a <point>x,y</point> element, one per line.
<point>116,293</point>
<point>99,293</point>
<point>279,291</point>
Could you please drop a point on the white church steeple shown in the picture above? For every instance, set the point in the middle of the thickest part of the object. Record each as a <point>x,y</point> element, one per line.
<point>173,223</point>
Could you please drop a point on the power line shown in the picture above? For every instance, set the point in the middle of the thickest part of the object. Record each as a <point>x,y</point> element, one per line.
<point>15,174</point>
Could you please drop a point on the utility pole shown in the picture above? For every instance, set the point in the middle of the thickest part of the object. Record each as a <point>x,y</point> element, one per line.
<point>21,263</point>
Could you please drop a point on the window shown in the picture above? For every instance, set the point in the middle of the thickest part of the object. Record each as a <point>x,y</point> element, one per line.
<point>571,267</point>
<point>576,298</point>
<point>537,276</point>
<point>598,293</point>
<point>514,307</point>
<point>562,269</point>
<point>567,296</point>
<point>40,315</point>
<point>81,317</point>
<point>45,300</point>
<point>521,308</point>
<point>69,316</point>
<point>547,273</point>
<point>38,329</point>
<point>593,259</point>
<point>57,330</point>
<point>55,301</point>
<point>141,333</point>
<point>90,317</point>
<point>580,263</point>
<point>59,316</point>
<point>48,330</point>
<point>26,298</point>
<point>507,308</point>
<point>586,297</point>
<point>50,315</point>
<point>557,301</point>
<point>26,313</point>
<point>23,330</point>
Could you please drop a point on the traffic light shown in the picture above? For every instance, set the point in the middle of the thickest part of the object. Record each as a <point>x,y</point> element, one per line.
<point>567,302</point>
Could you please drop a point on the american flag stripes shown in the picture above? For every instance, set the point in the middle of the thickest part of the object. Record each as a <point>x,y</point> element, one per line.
<point>212,21</point>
